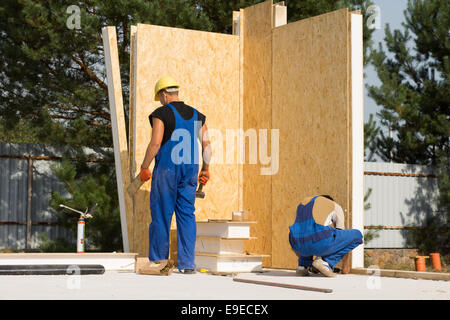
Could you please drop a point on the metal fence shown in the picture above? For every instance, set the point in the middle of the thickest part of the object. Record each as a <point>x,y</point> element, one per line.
<point>403,195</point>
<point>26,183</point>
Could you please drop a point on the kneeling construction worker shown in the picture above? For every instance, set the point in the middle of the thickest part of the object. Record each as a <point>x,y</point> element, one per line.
<point>319,232</point>
<point>173,145</point>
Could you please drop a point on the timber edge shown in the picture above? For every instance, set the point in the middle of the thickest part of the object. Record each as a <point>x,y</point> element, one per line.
<point>402,274</point>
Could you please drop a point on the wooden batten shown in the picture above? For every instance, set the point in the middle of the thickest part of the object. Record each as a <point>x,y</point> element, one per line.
<point>131,125</point>
<point>118,129</point>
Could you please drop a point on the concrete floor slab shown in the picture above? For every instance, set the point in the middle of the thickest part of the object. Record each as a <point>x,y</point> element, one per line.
<point>127,285</point>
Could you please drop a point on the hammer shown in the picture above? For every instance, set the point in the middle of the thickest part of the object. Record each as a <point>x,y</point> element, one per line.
<point>199,193</point>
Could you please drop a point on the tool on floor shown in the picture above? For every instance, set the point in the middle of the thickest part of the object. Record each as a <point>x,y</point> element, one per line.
<point>81,225</point>
<point>283,285</point>
<point>134,185</point>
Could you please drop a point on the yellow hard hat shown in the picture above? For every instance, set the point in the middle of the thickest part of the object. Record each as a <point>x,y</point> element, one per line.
<point>163,83</point>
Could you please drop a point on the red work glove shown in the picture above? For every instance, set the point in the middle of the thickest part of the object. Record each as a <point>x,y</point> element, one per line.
<point>145,174</point>
<point>203,177</point>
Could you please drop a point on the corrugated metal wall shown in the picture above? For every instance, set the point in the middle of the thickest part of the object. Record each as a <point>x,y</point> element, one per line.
<point>398,200</point>
<point>14,194</point>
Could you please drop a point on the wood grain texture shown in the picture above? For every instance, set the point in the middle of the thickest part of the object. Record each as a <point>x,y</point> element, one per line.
<point>206,65</point>
<point>131,124</point>
<point>311,109</point>
<point>257,78</point>
<point>118,130</point>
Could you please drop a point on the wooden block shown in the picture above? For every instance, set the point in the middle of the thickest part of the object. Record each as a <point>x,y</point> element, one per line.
<point>228,263</point>
<point>240,216</point>
<point>140,262</point>
<point>224,229</point>
<point>279,14</point>
<point>218,245</point>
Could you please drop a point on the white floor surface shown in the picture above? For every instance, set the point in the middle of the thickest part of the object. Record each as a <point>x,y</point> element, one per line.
<point>200,286</point>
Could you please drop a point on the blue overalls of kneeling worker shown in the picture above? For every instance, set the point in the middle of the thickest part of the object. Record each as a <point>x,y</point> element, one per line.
<point>312,235</point>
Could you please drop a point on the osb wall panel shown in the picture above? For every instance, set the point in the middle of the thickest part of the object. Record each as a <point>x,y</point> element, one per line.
<point>310,107</point>
<point>257,77</point>
<point>206,65</point>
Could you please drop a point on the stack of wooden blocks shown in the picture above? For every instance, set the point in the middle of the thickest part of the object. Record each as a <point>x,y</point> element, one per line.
<point>220,247</point>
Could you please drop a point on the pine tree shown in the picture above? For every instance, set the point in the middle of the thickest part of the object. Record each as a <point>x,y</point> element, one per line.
<point>371,132</point>
<point>103,230</point>
<point>414,95</point>
<point>52,73</point>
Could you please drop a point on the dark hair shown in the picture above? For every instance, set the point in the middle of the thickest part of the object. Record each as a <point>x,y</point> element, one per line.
<point>327,196</point>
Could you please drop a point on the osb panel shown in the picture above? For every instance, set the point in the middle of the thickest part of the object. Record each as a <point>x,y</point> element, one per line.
<point>131,121</point>
<point>310,107</point>
<point>132,100</point>
<point>206,65</point>
<point>238,29</point>
<point>257,77</point>
<point>118,130</point>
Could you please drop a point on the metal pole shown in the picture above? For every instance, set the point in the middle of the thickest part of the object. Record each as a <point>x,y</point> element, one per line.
<point>29,201</point>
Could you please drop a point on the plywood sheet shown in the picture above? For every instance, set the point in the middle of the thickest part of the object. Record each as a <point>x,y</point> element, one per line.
<point>310,107</point>
<point>206,65</point>
<point>131,121</point>
<point>257,78</point>
<point>118,129</point>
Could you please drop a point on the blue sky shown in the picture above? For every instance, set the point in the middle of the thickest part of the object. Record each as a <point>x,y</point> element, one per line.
<point>391,12</point>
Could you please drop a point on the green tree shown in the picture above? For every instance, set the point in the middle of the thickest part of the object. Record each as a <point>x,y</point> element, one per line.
<point>53,75</point>
<point>103,231</point>
<point>414,95</point>
<point>371,132</point>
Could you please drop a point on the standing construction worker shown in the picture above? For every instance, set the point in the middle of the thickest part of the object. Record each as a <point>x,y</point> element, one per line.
<point>173,145</point>
<point>318,231</point>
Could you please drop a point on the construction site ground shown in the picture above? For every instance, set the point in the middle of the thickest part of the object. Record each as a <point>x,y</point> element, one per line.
<point>204,286</point>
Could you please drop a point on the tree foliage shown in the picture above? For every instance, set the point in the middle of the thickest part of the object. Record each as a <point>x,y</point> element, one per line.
<point>103,231</point>
<point>53,77</point>
<point>414,95</point>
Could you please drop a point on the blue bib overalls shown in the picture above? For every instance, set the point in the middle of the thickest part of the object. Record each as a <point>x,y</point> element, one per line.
<point>309,238</point>
<point>173,186</point>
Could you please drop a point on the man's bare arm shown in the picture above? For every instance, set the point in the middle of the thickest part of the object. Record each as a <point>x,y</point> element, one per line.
<point>155,142</point>
<point>206,147</point>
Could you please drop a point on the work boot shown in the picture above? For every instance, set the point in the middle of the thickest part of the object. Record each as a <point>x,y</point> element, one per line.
<point>188,271</point>
<point>303,271</point>
<point>323,267</point>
